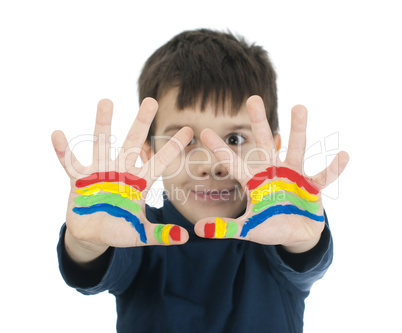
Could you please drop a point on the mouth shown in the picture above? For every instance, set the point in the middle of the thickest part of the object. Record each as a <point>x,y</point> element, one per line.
<point>213,195</point>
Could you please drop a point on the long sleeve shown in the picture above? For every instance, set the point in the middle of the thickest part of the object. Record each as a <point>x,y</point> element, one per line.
<point>303,269</point>
<point>115,271</point>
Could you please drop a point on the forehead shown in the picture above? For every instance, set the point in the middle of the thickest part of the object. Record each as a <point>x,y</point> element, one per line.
<point>168,116</point>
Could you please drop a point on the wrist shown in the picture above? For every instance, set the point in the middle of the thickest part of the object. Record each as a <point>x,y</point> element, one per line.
<point>81,252</point>
<point>301,247</point>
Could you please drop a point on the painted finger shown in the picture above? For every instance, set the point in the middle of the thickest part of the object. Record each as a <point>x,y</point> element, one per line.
<point>102,131</point>
<point>218,228</point>
<point>168,234</point>
<point>65,155</point>
<point>297,138</point>
<point>227,157</point>
<point>138,132</point>
<point>166,155</point>
<point>261,130</point>
<point>333,171</point>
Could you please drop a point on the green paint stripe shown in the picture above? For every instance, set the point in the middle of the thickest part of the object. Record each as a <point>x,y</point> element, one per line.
<point>158,232</point>
<point>232,229</point>
<point>108,198</point>
<point>277,197</point>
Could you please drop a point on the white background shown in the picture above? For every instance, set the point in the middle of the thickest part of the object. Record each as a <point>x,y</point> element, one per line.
<point>341,59</point>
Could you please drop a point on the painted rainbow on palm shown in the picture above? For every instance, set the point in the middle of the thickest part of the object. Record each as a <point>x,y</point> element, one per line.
<point>301,193</point>
<point>116,198</point>
<point>266,198</point>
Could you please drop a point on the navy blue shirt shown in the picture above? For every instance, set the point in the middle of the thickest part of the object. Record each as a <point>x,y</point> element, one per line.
<point>205,285</point>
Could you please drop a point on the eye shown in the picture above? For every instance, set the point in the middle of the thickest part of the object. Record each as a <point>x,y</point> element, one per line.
<point>235,139</point>
<point>192,142</point>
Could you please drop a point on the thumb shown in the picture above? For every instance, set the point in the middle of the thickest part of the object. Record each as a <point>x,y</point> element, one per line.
<point>66,157</point>
<point>217,227</point>
<point>169,234</point>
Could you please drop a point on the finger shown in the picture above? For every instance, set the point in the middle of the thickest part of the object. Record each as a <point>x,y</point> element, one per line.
<point>333,171</point>
<point>260,127</point>
<point>227,157</point>
<point>138,132</point>
<point>102,130</point>
<point>218,228</point>
<point>167,234</point>
<point>166,155</point>
<point>65,155</point>
<point>297,138</point>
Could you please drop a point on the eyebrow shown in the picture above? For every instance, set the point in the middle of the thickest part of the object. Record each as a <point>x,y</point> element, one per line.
<point>175,127</point>
<point>240,127</point>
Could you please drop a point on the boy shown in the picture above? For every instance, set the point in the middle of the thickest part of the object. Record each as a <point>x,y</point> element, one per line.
<point>212,144</point>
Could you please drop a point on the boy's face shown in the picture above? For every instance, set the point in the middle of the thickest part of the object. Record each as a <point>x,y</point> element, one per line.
<point>196,183</point>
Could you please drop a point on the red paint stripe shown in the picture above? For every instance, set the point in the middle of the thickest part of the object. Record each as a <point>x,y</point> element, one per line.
<point>209,230</point>
<point>257,180</point>
<point>113,176</point>
<point>300,180</point>
<point>282,172</point>
<point>59,153</point>
<point>174,233</point>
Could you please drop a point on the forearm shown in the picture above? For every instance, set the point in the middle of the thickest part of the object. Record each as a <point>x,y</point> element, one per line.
<point>81,253</point>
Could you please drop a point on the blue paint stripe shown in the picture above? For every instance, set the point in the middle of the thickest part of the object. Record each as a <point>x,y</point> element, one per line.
<point>256,220</point>
<point>116,212</point>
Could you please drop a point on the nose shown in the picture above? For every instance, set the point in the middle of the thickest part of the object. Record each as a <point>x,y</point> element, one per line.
<point>202,164</point>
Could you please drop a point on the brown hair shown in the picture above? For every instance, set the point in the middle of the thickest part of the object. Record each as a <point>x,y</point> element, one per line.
<point>210,65</point>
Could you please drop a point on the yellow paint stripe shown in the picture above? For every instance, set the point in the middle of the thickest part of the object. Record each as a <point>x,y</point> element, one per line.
<point>220,228</point>
<point>165,233</point>
<point>257,194</point>
<point>124,190</point>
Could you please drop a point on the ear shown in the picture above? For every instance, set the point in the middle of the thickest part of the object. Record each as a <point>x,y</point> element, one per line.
<point>278,141</point>
<point>146,152</point>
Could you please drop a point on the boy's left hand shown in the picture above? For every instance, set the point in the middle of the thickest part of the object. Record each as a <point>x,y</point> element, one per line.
<point>286,211</point>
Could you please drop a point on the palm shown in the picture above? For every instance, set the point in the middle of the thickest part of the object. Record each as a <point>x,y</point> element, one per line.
<point>279,211</point>
<point>286,227</point>
<point>106,205</point>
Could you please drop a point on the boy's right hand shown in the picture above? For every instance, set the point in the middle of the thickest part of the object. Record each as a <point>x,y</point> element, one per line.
<point>108,210</point>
